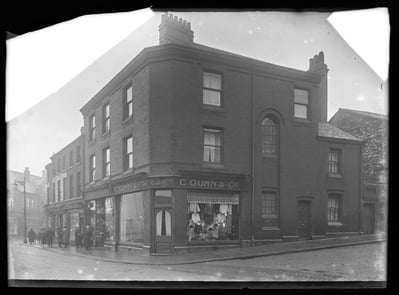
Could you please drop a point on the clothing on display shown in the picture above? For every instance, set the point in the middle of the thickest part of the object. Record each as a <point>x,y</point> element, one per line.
<point>195,217</point>
<point>220,218</point>
<point>193,208</point>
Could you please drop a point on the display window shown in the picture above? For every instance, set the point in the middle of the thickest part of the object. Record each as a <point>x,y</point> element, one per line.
<point>74,225</point>
<point>132,218</point>
<point>109,219</point>
<point>212,216</point>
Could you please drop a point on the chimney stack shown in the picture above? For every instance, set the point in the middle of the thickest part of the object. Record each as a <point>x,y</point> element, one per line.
<point>27,174</point>
<point>175,30</point>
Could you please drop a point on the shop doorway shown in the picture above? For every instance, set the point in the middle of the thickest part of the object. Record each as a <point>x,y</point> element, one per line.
<point>163,230</point>
<point>304,220</point>
<point>368,216</point>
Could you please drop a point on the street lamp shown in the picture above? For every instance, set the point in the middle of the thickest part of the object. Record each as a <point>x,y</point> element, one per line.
<point>15,183</point>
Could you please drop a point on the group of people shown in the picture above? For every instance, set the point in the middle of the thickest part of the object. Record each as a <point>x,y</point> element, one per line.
<point>46,236</point>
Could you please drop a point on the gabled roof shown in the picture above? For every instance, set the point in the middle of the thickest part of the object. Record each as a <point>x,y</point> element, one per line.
<point>328,130</point>
<point>362,113</point>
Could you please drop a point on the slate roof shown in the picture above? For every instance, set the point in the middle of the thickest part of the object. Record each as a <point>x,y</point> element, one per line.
<point>328,130</point>
<point>364,113</point>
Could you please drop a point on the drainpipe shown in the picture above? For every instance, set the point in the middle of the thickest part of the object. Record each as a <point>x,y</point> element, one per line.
<point>252,166</point>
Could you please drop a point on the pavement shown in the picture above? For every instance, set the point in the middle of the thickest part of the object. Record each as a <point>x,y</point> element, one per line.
<point>216,255</point>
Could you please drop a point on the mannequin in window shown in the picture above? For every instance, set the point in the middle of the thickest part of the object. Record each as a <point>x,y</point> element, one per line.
<point>198,229</point>
<point>195,217</point>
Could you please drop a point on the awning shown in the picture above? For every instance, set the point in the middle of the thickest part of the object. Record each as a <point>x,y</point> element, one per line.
<point>210,198</point>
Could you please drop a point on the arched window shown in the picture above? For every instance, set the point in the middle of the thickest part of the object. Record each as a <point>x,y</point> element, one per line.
<point>269,137</point>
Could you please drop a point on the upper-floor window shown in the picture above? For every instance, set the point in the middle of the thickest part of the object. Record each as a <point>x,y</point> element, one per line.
<point>10,201</point>
<point>212,89</point>
<point>128,153</point>
<point>78,154</point>
<point>334,208</point>
<point>58,165</point>
<point>71,186</point>
<point>106,118</point>
<point>63,195</point>
<point>63,162</point>
<point>212,145</point>
<point>301,105</point>
<point>92,168</point>
<point>106,162</point>
<point>53,168</point>
<point>92,127</point>
<point>70,158</point>
<point>270,137</point>
<point>334,161</point>
<point>78,189</point>
<point>128,102</point>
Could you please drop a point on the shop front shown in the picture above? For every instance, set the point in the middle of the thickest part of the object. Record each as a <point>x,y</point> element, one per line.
<point>162,215</point>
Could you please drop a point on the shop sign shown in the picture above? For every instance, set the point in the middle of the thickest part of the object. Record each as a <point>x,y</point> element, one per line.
<point>143,184</point>
<point>207,183</point>
<point>97,194</point>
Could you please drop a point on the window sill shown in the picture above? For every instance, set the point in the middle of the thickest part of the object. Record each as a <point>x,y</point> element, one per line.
<point>106,133</point>
<point>335,223</point>
<point>210,107</point>
<point>127,171</point>
<point>213,165</point>
<point>127,120</point>
<point>269,216</point>
<point>302,122</point>
<point>270,228</point>
<point>267,156</point>
<point>92,141</point>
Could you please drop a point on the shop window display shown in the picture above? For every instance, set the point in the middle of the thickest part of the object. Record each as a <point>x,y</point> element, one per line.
<point>109,219</point>
<point>212,217</point>
<point>132,218</point>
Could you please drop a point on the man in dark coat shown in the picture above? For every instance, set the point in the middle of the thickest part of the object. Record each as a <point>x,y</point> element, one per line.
<point>31,236</point>
<point>88,237</point>
<point>78,238</point>
<point>65,237</point>
<point>50,237</point>
<point>59,236</point>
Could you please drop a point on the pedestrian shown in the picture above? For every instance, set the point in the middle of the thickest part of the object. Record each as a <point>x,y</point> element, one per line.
<point>50,237</point>
<point>87,237</point>
<point>59,236</point>
<point>78,238</point>
<point>65,237</point>
<point>31,236</point>
<point>43,236</point>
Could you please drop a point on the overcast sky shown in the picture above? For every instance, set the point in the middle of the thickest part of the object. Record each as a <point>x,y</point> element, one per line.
<point>68,63</point>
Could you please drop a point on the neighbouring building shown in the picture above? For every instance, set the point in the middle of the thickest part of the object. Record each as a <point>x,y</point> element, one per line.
<point>190,148</point>
<point>65,204</point>
<point>373,129</point>
<point>35,194</point>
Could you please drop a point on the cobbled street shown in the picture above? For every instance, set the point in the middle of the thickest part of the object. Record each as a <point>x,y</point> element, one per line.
<point>350,263</point>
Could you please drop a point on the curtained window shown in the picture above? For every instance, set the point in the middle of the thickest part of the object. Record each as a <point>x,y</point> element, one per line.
<point>163,223</point>
<point>132,218</point>
<point>212,145</point>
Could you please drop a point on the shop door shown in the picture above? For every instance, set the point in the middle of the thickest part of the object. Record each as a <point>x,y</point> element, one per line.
<point>369,218</point>
<point>163,230</point>
<point>304,219</point>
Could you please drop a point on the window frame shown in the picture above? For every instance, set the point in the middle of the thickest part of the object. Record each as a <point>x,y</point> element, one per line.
<point>92,168</point>
<point>126,154</point>
<point>78,150</point>
<point>106,122</point>
<point>220,91</point>
<point>264,212</point>
<point>126,103</point>
<point>219,131</point>
<point>338,220</point>
<point>71,186</point>
<point>70,158</point>
<point>337,164</point>
<point>307,105</point>
<point>92,127</point>
<point>106,165</point>
<point>78,185</point>
<point>275,142</point>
